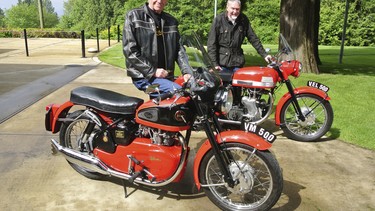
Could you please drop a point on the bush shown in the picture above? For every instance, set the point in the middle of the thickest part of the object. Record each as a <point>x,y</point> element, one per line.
<point>39,33</point>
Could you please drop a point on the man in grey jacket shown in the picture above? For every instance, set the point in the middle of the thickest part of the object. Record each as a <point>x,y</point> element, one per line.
<point>226,36</point>
<point>151,45</point>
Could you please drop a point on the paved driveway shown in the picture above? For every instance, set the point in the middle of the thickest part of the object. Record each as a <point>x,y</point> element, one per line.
<point>326,175</point>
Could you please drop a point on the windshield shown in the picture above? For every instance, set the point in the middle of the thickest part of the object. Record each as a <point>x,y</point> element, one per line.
<point>285,51</point>
<point>197,54</point>
<point>205,80</point>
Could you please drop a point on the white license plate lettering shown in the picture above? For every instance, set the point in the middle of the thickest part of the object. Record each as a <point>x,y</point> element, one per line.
<point>259,131</point>
<point>318,85</point>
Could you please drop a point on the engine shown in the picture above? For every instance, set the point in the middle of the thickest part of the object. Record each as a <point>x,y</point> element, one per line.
<point>255,105</point>
<point>157,136</point>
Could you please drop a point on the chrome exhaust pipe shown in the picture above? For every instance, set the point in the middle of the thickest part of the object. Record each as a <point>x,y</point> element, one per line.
<point>94,164</point>
<point>89,162</point>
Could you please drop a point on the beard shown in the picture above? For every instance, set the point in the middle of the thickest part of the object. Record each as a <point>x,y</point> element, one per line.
<point>232,18</point>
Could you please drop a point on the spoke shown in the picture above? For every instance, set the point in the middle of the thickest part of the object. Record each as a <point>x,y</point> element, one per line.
<point>247,160</point>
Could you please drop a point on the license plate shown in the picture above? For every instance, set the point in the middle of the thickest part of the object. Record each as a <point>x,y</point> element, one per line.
<point>259,131</point>
<point>318,85</point>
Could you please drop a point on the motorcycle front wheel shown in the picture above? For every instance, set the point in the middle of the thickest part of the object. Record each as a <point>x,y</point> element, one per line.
<point>318,118</point>
<point>258,175</point>
<point>71,134</point>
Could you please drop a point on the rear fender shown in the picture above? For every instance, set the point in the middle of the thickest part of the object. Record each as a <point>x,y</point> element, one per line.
<point>54,112</point>
<point>299,90</point>
<point>233,136</point>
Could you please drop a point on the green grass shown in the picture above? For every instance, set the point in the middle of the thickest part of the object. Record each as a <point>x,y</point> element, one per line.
<point>351,88</point>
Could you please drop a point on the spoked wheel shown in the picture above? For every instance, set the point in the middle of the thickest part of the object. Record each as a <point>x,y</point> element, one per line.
<point>71,134</point>
<point>258,175</point>
<point>318,113</point>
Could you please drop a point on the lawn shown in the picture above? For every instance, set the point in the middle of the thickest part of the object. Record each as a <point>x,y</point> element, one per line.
<point>351,88</point>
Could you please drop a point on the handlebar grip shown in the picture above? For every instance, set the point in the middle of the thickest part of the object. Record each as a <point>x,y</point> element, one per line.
<point>166,95</point>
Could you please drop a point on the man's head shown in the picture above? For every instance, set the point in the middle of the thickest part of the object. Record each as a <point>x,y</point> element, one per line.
<point>157,5</point>
<point>233,9</point>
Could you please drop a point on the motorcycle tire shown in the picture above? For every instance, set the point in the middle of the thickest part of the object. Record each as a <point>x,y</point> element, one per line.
<point>317,123</point>
<point>260,182</point>
<point>69,136</point>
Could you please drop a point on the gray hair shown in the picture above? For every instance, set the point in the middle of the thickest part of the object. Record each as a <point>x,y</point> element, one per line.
<point>237,1</point>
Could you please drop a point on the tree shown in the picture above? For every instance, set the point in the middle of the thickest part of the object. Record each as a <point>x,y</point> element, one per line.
<point>361,31</point>
<point>264,17</point>
<point>92,14</point>
<point>299,24</point>
<point>2,18</point>
<point>26,15</point>
<point>190,16</point>
<point>22,16</point>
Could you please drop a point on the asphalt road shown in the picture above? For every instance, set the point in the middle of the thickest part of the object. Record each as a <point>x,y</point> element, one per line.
<point>23,85</point>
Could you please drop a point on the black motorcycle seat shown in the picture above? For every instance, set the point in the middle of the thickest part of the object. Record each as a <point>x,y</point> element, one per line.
<point>226,76</point>
<point>105,100</point>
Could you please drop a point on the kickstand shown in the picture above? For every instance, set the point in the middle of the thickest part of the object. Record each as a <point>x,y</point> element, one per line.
<point>125,190</point>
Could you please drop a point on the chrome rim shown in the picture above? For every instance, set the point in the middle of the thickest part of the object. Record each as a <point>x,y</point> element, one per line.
<point>74,134</point>
<point>314,112</point>
<point>254,177</point>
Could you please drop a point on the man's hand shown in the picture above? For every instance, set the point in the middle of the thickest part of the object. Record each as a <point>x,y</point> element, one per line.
<point>218,68</point>
<point>161,73</point>
<point>186,77</point>
<point>268,58</point>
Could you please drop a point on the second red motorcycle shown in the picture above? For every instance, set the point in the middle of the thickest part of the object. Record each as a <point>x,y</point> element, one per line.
<point>303,113</point>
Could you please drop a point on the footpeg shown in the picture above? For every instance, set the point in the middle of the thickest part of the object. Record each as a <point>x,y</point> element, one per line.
<point>134,176</point>
<point>144,171</point>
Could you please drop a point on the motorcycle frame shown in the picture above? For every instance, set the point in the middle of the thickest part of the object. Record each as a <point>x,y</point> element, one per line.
<point>216,143</point>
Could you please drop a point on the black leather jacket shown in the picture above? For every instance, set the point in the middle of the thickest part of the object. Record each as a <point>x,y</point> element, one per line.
<point>225,40</point>
<point>140,44</point>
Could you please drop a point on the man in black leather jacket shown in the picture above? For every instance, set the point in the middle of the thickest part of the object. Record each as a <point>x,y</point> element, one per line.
<point>226,36</point>
<point>151,45</point>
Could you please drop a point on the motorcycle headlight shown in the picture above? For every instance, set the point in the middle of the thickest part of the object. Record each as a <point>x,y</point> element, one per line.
<point>298,71</point>
<point>224,100</point>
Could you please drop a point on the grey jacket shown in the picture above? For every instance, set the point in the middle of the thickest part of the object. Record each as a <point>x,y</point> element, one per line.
<point>140,44</point>
<point>225,40</point>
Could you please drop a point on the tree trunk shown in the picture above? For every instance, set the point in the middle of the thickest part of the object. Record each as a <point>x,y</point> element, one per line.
<point>299,24</point>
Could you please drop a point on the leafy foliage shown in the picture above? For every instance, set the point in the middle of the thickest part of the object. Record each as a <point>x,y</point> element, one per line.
<point>264,17</point>
<point>26,15</point>
<point>2,18</point>
<point>360,25</point>
<point>91,14</point>
<point>197,15</point>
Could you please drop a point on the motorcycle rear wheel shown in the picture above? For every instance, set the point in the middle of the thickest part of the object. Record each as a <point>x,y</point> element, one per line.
<point>70,136</point>
<point>260,181</point>
<point>317,123</point>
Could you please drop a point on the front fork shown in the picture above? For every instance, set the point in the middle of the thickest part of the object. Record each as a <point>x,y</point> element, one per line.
<point>222,157</point>
<point>296,106</point>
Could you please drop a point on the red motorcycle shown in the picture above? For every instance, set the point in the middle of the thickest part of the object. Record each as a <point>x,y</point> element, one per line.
<point>303,113</point>
<point>141,142</point>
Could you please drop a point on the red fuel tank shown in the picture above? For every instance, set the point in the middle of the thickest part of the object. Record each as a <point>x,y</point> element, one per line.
<point>255,77</point>
<point>167,115</point>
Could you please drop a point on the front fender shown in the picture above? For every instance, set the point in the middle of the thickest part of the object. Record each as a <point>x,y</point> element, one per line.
<point>233,136</point>
<point>299,90</point>
<point>60,112</point>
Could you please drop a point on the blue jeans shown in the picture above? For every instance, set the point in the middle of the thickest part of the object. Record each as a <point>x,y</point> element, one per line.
<point>232,69</point>
<point>165,85</point>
